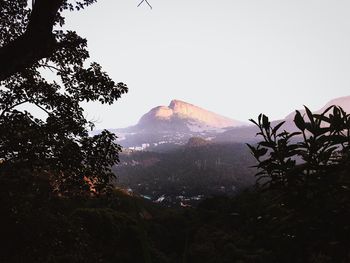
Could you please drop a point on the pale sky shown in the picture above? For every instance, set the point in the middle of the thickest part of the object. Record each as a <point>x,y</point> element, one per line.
<point>237,58</point>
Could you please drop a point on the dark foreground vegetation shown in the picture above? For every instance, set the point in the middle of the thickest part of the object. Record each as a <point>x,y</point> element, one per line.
<point>252,227</point>
<point>299,214</point>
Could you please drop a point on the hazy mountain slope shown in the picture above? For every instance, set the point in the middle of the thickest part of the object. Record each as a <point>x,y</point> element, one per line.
<point>343,102</point>
<point>247,133</point>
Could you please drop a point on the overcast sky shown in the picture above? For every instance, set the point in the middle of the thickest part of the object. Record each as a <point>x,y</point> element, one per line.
<point>234,57</point>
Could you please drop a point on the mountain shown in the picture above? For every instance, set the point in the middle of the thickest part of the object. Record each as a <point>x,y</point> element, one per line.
<point>204,163</point>
<point>343,102</point>
<point>166,127</point>
<point>182,116</point>
<point>181,164</point>
<point>247,133</point>
<point>174,124</point>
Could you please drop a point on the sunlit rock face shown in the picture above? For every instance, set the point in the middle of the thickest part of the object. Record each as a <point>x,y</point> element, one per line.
<point>169,126</point>
<point>160,112</point>
<point>180,114</point>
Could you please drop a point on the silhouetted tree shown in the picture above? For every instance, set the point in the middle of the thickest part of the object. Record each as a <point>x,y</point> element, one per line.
<point>58,147</point>
<point>304,159</point>
<point>307,173</point>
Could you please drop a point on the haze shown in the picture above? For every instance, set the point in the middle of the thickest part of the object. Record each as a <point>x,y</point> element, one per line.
<point>236,58</point>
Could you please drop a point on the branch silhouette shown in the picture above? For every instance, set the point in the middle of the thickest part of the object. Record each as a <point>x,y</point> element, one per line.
<point>146,3</point>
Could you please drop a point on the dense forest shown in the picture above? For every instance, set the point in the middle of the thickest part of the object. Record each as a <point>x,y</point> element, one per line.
<point>57,198</point>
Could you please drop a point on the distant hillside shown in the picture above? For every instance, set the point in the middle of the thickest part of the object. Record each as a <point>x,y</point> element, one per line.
<point>247,133</point>
<point>197,142</point>
<point>199,169</point>
<point>343,102</point>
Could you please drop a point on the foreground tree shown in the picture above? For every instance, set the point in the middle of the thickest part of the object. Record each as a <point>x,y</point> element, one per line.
<point>314,157</point>
<point>306,173</point>
<point>57,146</point>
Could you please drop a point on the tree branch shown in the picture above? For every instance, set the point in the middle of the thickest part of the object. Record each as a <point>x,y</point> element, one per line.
<point>50,67</point>
<point>146,3</point>
<point>36,43</point>
<point>12,106</point>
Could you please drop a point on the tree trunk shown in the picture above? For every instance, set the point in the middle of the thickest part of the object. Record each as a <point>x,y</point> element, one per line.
<point>36,43</point>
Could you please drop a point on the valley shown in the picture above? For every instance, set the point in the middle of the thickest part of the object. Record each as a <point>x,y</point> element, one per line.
<point>168,161</point>
<point>187,174</point>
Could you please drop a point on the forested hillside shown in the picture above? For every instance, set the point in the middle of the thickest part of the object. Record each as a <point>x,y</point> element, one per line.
<point>193,171</point>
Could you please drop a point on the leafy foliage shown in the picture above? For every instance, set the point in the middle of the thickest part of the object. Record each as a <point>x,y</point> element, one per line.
<point>287,162</point>
<point>307,173</point>
<point>58,144</point>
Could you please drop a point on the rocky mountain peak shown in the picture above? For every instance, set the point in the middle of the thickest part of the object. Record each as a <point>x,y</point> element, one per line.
<point>193,115</point>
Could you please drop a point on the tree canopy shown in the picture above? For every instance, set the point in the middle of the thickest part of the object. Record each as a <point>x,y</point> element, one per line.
<point>32,41</point>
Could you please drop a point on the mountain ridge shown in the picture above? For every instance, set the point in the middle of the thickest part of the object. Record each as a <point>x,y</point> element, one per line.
<point>247,133</point>
<point>343,102</point>
<point>171,125</point>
